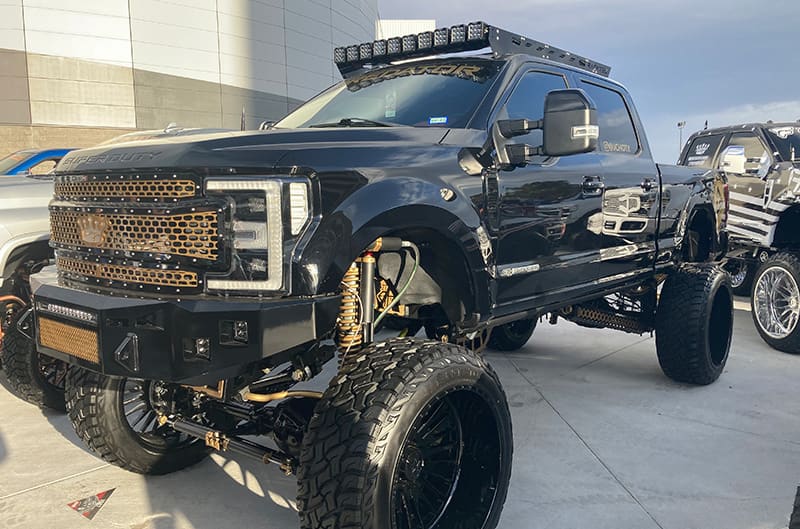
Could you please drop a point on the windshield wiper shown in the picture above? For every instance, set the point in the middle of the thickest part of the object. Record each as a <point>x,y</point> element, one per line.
<point>354,122</point>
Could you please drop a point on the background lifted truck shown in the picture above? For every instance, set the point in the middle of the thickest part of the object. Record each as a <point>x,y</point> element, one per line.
<point>199,280</point>
<point>762,164</point>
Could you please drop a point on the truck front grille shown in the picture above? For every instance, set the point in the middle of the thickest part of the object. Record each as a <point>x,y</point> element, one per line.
<point>194,235</point>
<point>152,189</point>
<point>87,270</point>
<point>69,339</point>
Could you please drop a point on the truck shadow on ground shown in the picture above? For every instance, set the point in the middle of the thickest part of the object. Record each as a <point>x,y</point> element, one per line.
<point>219,492</point>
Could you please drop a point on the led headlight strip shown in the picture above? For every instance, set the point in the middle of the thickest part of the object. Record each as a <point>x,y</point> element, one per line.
<point>274,228</point>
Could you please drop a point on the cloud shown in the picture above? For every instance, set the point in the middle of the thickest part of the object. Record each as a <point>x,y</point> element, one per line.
<point>663,133</point>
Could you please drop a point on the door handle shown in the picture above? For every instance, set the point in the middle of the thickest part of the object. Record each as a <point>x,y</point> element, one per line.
<point>648,183</point>
<point>592,186</point>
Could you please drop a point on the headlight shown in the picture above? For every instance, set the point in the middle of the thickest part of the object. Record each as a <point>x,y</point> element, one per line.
<point>262,223</point>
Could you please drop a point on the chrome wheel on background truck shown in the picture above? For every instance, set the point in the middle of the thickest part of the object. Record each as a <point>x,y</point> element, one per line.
<point>775,302</point>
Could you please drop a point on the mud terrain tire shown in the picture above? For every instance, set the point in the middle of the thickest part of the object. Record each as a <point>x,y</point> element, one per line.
<point>410,433</point>
<point>694,323</point>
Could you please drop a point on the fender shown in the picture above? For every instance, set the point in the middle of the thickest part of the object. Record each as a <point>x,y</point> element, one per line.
<point>386,207</point>
<point>694,193</point>
<point>13,244</point>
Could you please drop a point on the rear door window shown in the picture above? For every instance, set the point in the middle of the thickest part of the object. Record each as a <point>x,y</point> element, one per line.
<point>617,133</point>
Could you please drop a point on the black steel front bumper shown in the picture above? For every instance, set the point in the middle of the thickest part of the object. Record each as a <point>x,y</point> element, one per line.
<point>157,340</point>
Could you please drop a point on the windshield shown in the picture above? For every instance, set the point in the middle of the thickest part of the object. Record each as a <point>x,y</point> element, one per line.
<point>426,94</point>
<point>786,141</point>
<point>12,160</point>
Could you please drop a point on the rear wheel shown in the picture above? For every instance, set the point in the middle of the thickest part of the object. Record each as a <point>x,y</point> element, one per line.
<point>512,336</point>
<point>694,323</point>
<point>35,378</point>
<point>775,302</point>
<point>117,418</point>
<point>410,434</point>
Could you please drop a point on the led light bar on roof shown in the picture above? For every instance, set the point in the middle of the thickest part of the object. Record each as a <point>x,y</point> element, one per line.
<point>463,37</point>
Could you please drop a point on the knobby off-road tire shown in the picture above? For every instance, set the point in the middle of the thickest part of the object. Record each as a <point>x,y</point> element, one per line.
<point>775,302</point>
<point>410,434</point>
<point>742,274</point>
<point>512,336</point>
<point>694,322</point>
<point>32,377</point>
<point>100,409</point>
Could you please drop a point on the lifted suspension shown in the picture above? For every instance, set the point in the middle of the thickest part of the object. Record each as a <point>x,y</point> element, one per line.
<point>224,443</point>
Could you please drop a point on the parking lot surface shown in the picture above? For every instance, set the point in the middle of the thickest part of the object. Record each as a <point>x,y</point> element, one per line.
<point>602,440</point>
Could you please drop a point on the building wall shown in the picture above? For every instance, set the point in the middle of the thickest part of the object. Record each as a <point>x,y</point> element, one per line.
<point>109,66</point>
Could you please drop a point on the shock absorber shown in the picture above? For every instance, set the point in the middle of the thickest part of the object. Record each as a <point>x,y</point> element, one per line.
<point>349,333</point>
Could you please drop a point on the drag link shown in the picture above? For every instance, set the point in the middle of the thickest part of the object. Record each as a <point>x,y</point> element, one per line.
<point>224,443</point>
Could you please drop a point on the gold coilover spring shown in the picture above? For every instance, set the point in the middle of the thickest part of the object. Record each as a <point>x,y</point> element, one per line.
<point>349,333</point>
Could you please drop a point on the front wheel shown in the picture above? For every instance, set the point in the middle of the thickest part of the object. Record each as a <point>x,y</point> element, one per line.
<point>33,377</point>
<point>117,418</point>
<point>694,323</point>
<point>775,302</point>
<point>410,434</point>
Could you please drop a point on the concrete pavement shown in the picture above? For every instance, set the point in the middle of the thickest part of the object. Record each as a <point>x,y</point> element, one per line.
<point>602,440</point>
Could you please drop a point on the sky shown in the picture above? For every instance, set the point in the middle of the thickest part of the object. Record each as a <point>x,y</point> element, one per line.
<point>725,61</point>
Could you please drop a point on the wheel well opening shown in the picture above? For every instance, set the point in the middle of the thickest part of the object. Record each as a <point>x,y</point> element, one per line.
<point>786,233</point>
<point>700,240</point>
<point>445,264</point>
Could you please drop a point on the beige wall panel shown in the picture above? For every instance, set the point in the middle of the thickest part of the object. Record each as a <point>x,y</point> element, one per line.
<point>14,101</point>
<point>58,113</point>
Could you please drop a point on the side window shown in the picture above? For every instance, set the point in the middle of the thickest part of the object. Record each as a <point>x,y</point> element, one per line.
<point>527,100</point>
<point>757,155</point>
<point>617,134</point>
<point>702,151</point>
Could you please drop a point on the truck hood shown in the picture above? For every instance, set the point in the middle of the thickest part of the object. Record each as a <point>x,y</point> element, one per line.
<point>257,150</point>
<point>23,192</point>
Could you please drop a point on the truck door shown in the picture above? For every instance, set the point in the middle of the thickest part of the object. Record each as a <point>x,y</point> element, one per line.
<point>749,217</point>
<point>543,242</point>
<point>629,216</point>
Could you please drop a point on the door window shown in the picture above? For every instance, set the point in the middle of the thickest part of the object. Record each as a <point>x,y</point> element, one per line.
<point>527,100</point>
<point>617,134</point>
<point>757,161</point>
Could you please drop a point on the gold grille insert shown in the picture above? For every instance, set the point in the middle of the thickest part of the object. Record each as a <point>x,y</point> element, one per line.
<point>74,341</point>
<point>192,235</point>
<point>128,274</point>
<point>126,189</point>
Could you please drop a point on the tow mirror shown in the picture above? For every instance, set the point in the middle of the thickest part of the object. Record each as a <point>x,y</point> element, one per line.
<point>570,123</point>
<point>733,160</point>
<point>569,127</point>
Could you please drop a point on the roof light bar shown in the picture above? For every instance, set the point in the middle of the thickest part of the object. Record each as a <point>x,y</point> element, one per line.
<point>440,38</point>
<point>463,37</point>
<point>425,40</point>
<point>409,43</point>
<point>458,34</point>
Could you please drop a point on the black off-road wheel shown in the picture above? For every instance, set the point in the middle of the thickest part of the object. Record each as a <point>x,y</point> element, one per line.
<point>410,434</point>
<point>512,336</point>
<point>694,323</point>
<point>35,378</point>
<point>117,419</point>
<point>775,302</point>
<point>742,273</point>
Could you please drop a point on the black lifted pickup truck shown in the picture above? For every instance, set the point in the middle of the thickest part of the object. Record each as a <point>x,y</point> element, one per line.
<point>199,280</point>
<point>761,162</point>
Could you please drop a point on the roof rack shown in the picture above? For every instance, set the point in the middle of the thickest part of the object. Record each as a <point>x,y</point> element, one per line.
<point>464,37</point>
